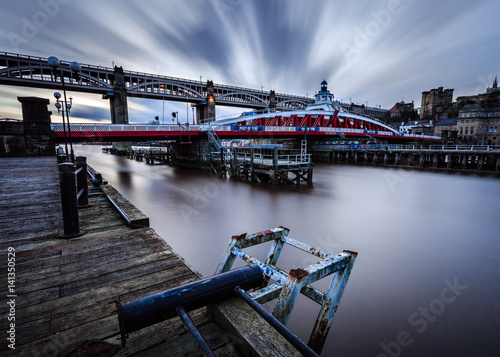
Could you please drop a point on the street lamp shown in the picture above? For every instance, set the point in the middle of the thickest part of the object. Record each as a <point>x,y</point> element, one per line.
<point>65,107</point>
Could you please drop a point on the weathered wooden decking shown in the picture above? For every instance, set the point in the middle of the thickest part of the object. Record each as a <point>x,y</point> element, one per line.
<point>66,289</point>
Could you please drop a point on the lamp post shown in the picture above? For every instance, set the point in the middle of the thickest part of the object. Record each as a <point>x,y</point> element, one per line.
<point>75,67</point>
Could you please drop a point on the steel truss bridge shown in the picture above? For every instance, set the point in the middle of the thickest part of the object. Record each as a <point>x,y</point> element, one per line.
<point>186,133</point>
<point>31,71</point>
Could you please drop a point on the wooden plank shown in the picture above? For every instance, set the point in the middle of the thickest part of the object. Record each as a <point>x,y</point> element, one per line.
<point>254,336</point>
<point>136,217</point>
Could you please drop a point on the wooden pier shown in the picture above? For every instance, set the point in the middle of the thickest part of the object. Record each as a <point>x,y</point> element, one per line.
<point>64,292</point>
<point>266,166</point>
<point>479,159</point>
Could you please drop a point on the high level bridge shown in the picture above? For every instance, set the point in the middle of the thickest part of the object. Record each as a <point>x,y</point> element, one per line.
<point>117,84</point>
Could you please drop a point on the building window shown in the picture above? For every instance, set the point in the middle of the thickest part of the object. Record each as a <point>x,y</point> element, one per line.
<point>472,131</point>
<point>461,130</point>
<point>466,130</point>
<point>468,115</point>
<point>466,122</point>
<point>463,115</point>
<point>461,121</point>
<point>472,121</point>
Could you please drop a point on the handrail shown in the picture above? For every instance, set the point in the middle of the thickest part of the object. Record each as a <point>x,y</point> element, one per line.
<point>368,147</point>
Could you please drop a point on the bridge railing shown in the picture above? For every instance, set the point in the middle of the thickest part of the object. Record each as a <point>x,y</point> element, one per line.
<point>399,147</point>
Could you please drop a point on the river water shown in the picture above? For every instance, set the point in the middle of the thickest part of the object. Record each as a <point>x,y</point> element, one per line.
<point>426,280</point>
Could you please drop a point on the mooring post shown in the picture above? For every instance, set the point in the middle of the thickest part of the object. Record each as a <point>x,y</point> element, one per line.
<point>81,181</point>
<point>252,153</point>
<point>71,223</point>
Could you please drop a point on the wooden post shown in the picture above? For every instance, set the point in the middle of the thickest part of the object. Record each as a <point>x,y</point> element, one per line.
<point>252,154</point>
<point>71,223</point>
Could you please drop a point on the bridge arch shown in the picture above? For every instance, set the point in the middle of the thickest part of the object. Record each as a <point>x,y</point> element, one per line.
<point>241,95</point>
<point>153,85</point>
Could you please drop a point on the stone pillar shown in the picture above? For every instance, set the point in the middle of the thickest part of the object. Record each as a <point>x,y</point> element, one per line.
<point>205,111</point>
<point>38,136</point>
<point>435,160</point>
<point>118,98</point>
<point>272,101</point>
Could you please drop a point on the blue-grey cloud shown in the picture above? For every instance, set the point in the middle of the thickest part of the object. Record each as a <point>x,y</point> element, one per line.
<point>369,51</point>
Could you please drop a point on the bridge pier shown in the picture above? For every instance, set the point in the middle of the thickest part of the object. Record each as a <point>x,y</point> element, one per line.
<point>118,98</point>
<point>206,110</point>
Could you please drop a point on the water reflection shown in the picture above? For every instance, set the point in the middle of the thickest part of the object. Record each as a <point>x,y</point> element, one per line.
<point>414,232</point>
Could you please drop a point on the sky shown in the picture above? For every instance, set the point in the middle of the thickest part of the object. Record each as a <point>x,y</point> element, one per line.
<point>375,52</point>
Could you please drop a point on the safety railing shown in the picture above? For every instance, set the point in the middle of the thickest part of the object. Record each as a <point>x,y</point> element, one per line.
<point>146,311</point>
<point>444,148</point>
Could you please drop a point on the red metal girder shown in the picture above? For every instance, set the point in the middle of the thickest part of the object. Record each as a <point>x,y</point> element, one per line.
<point>319,121</point>
<point>333,120</point>
<point>306,121</point>
<point>274,121</point>
<point>289,121</point>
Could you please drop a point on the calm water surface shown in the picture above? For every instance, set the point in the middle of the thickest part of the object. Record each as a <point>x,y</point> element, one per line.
<point>426,281</point>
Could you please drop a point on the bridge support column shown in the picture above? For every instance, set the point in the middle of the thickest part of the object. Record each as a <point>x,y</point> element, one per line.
<point>498,164</point>
<point>118,98</point>
<point>386,158</point>
<point>435,160</point>
<point>272,101</point>
<point>38,138</point>
<point>396,159</point>
<point>355,157</point>
<point>205,111</point>
<point>375,158</point>
<point>422,160</point>
<point>366,157</point>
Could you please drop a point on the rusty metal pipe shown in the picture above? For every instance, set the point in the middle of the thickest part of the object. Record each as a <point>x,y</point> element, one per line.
<point>146,311</point>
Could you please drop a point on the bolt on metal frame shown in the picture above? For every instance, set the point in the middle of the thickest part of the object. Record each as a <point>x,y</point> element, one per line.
<point>289,285</point>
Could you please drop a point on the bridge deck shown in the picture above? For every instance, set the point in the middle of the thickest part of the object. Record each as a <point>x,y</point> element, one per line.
<point>66,289</point>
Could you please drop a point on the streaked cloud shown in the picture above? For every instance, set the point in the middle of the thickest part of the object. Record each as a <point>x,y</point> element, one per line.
<point>399,48</point>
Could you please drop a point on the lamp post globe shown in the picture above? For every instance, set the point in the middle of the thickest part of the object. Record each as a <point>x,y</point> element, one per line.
<point>75,66</point>
<point>53,62</point>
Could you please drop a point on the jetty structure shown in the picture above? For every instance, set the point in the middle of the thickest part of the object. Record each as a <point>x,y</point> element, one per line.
<point>99,281</point>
